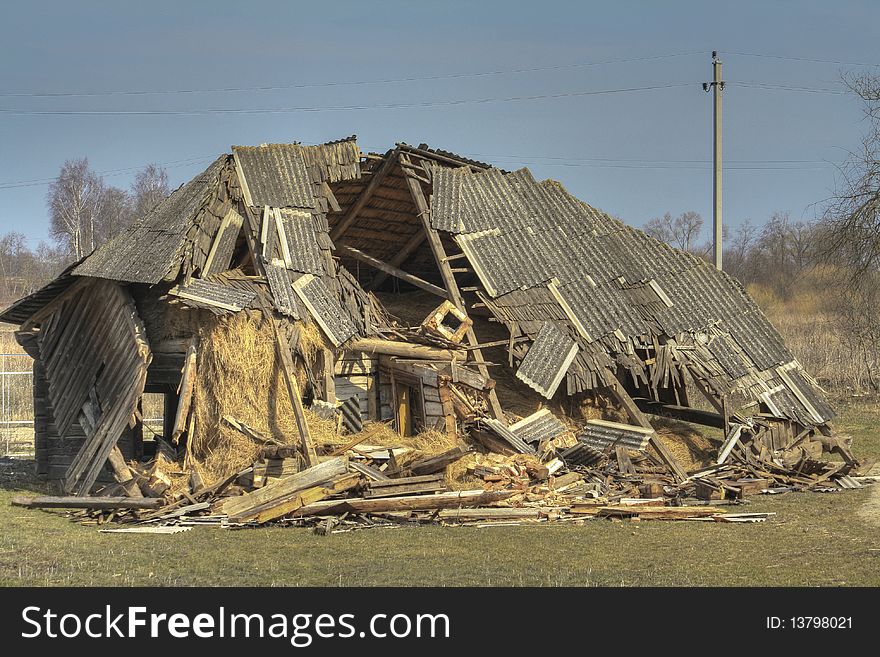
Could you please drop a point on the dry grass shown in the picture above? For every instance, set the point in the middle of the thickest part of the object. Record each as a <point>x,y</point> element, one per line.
<point>691,448</point>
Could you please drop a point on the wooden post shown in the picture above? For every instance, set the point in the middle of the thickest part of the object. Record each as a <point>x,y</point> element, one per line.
<point>287,369</point>
<point>328,376</point>
<point>448,277</point>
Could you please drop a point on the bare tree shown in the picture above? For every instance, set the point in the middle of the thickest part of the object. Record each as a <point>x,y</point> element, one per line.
<point>149,187</point>
<point>116,213</point>
<point>682,232</point>
<point>75,199</point>
<point>853,216</point>
<point>737,253</point>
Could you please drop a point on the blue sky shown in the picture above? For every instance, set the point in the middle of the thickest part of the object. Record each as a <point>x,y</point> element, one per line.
<point>635,154</point>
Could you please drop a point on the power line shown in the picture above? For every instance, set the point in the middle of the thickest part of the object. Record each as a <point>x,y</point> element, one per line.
<point>598,162</point>
<point>772,86</point>
<point>799,59</point>
<point>641,160</point>
<point>313,85</point>
<point>336,108</point>
<point>109,172</point>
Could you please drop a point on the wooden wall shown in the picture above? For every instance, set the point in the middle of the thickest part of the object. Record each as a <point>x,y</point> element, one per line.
<point>52,451</point>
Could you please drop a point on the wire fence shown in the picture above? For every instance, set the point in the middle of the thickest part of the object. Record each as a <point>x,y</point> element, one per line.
<point>17,407</point>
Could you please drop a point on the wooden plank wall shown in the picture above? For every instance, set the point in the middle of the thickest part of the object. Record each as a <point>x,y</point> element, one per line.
<point>356,374</point>
<point>94,350</point>
<point>54,452</point>
<point>436,407</point>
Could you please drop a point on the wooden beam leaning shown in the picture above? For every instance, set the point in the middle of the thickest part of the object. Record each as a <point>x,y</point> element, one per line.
<point>185,392</point>
<point>352,214</point>
<point>391,270</point>
<point>449,282</point>
<point>405,252</point>
<point>287,369</point>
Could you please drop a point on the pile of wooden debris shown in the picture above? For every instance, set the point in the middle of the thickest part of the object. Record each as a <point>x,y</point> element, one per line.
<point>514,475</point>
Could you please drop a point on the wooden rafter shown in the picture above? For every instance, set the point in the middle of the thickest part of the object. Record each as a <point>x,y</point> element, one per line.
<point>352,214</point>
<point>391,270</point>
<point>408,249</point>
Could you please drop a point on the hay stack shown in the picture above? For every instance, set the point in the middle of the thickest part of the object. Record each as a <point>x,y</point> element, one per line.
<point>239,374</point>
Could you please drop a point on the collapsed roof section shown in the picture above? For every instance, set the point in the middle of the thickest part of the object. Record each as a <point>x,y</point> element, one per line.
<point>254,217</point>
<point>586,298</point>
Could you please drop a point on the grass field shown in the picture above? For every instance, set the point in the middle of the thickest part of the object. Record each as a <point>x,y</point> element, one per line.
<point>814,539</point>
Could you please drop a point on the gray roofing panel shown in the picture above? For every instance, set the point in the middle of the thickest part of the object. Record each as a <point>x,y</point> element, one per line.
<point>547,360</point>
<point>302,241</point>
<point>520,234</point>
<point>539,426</point>
<point>148,250</point>
<point>210,292</point>
<point>326,309</point>
<point>281,290</point>
<point>276,175</point>
<point>602,436</point>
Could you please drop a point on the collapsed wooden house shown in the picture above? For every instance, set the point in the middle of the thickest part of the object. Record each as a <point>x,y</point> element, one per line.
<point>303,235</point>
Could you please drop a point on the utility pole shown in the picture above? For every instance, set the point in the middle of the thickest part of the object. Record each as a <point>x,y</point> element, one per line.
<point>717,86</point>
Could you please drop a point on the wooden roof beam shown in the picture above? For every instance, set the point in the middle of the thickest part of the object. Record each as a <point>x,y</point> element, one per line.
<point>390,270</point>
<point>352,214</point>
<point>408,249</point>
<point>440,259</point>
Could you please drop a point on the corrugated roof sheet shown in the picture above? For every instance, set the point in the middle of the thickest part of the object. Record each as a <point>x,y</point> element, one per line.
<point>539,426</point>
<point>325,309</point>
<point>522,236</point>
<point>601,435</point>
<point>547,360</point>
<point>276,175</point>
<point>214,294</point>
<point>148,250</point>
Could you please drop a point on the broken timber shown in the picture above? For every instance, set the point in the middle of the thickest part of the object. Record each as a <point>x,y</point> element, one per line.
<point>287,369</point>
<point>48,502</point>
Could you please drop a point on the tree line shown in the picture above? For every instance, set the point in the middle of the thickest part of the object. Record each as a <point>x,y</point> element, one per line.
<point>84,212</point>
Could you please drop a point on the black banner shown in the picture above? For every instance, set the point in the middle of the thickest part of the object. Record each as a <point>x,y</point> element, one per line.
<point>401,620</point>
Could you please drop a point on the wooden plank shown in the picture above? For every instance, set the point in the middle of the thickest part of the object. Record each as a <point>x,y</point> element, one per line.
<point>50,502</point>
<point>284,488</point>
<point>287,369</point>
<point>383,266</point>
<point>451,499</point>
<point>405,481</point>
<point>302,498</point>
<point>185,392</point>
<point>328,375</point>
<point>357,440</point>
